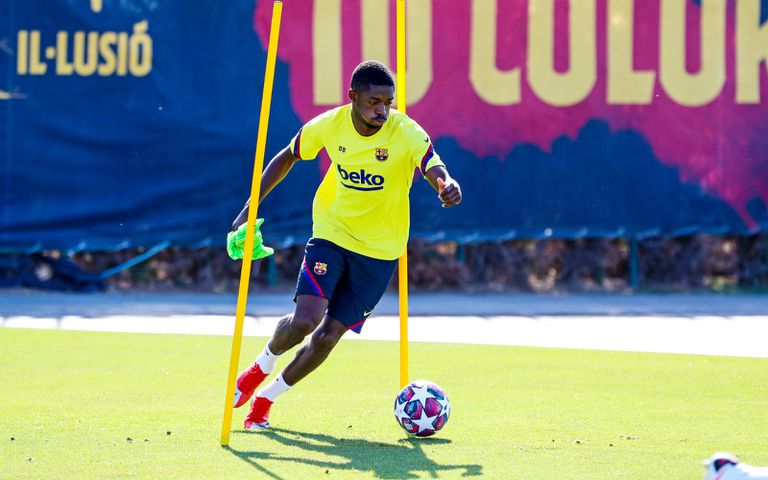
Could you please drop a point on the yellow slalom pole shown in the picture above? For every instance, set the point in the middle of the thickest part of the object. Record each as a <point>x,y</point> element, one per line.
<point>245,271</point>
<point>402,264</point>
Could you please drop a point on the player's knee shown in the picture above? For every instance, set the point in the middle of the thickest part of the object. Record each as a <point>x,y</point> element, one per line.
<point>325,340</point>
<point>302,325</point>
<point>307,316</point>
<point>328,335</point>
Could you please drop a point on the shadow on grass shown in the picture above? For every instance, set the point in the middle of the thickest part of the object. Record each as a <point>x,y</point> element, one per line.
<point>383,460</point>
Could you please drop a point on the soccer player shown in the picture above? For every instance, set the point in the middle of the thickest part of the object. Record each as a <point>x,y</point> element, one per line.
<point>360,219</point>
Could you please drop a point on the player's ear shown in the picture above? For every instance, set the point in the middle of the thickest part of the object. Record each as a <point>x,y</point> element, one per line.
<point>352,95</point>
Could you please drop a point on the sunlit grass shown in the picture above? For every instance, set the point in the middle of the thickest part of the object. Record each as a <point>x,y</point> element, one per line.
<point>101,405</point>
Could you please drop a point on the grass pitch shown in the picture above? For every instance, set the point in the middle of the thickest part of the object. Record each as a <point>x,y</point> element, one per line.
<point>101,405</point>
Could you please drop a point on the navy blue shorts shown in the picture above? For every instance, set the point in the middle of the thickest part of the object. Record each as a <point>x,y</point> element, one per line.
<point>352,283</point>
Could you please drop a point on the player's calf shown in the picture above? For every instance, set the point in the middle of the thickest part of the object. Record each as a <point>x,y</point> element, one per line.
<point>254,375</point>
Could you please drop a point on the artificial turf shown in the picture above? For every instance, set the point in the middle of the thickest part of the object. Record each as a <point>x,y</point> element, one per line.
<point>104,405</point>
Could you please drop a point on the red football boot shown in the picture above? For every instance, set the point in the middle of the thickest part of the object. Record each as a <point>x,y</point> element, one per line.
<point>258,417</point>
<point>247,383</point>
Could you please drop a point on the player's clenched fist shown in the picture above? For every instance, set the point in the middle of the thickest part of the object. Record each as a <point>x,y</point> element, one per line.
<point>448,192</point>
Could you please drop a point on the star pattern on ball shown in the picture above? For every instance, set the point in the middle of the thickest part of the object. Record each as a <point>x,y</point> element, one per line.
<point>425,422</point>
<point>400,413</point>
<point>446,406</point>
<point>420,393</point>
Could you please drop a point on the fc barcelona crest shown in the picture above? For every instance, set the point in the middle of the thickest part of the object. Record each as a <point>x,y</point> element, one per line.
<point>321,268</point>
<point>382,154</point>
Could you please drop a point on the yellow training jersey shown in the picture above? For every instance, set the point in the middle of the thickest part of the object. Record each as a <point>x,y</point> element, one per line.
<point>362,204</point>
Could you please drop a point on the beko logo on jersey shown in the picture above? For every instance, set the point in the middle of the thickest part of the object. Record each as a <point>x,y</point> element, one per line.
<point>361,180</point>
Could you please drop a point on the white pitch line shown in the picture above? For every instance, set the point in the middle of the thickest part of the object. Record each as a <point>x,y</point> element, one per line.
<point>744,336</point>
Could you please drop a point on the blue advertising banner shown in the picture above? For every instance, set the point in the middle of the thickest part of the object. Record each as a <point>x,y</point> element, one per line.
<point>130,123</point>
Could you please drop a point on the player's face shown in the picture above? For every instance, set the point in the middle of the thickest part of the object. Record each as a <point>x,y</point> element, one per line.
<point>371,106</point>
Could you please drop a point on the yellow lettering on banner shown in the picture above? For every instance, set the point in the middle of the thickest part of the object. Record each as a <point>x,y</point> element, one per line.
<point>692,89</point>
<point>36,66</point>
<point>625,85</point>
<point>562,89</point>
<point>751,50</point>
<point>62,67</point>
<point>122,54</point>
<point>374,29</point>
<point>106,53</point>
<point>490,83</point>
<point>22,52</point>
<point>326,52</point>
<point>140,61</point>
<point>86,63</point>
<point>108,65</point>
<point>418,44</point>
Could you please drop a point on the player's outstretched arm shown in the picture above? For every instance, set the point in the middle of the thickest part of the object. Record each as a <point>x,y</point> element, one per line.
<point>448,189</point>
<point>276,170</point>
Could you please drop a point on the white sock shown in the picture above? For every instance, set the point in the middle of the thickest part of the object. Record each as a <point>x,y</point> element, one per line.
<point>267,360</point>
<point>275,388</point>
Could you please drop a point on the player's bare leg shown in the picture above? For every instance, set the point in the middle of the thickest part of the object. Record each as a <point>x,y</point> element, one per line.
<point>308,358</point>
<point>311,355</point>
<point>293,328</point>
<point>290,331</point>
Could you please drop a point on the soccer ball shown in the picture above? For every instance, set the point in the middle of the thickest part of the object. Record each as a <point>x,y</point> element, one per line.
<point>422,408</point>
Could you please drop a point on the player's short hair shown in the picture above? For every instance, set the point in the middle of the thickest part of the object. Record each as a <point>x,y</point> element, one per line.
<point>369,73</point>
